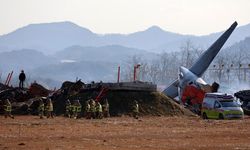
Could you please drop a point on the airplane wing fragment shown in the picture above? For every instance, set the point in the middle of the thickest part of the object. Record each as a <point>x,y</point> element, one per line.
<point>172,90</point>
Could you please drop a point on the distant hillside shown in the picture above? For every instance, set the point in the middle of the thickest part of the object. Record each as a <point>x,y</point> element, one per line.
<point>52,37</point>
<point>47,37</point>
<point>85,70</point>
<point>111,53</point>
<point>241,50</point>
<point>242,45</point>
<point>149,39</point>
<point>23,59</point>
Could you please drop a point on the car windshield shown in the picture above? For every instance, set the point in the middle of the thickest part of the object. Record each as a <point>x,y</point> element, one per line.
<point>229,104</point>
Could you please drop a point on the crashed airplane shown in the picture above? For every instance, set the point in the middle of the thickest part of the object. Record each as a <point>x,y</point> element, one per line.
<point>192,76</point>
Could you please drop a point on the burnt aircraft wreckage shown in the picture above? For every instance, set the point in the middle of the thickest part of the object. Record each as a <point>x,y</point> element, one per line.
<point>189,78</point>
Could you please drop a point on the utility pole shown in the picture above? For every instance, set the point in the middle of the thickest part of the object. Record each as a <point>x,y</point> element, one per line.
<point>136,67</point>
<point>118,76</point>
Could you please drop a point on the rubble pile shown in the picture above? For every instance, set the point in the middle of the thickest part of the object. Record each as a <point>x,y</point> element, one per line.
<point>15,95</point>
<point>36,90</point>
<point>244,97</point>
<point>24,101</point>
<point>2,86</point>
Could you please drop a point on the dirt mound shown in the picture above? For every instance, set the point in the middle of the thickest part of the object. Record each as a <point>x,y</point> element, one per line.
<point>163,105</point>
<point>150,103</point>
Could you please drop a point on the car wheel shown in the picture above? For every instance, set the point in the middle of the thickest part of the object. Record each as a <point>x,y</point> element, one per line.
<point>204,116</point>
<point>221,116</point>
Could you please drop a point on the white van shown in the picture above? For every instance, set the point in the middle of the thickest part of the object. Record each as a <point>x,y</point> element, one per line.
<point>220,106</point>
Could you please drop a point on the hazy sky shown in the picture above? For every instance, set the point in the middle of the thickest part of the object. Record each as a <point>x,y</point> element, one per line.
<point>125,16</point>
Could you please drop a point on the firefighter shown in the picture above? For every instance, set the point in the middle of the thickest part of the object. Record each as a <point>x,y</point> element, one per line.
<point>87,110</point>
<point>105,108</point>
<point>8,109</point>
<point>98,110</point>
<point>68,111</point>
<point>92,109</point>
<point>73,109</point>
<point>135,109</point>
<point>41,108</point>
<point>78,109</point>
<point>49,108</point>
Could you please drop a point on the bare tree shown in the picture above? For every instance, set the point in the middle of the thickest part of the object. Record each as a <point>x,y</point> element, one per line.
<point>143,71</point>
<point>187,57</point>
<point>154,71</point>
<point>239,58</point>
<point>220,65</point>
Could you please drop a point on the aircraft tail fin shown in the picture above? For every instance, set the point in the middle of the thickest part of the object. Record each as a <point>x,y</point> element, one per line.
<point>201,65</point>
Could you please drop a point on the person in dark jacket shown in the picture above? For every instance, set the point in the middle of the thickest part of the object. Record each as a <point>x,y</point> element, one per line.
<point>22,78</point>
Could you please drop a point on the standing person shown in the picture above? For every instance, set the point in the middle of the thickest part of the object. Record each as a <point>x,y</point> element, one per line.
<point>22,78</point>
<point>68,111</point>
<point>8,109</point>
<point>92,109</point>
<point>74,109</point>
<point>87,110</point>
<point>135,109</point>
<point>105,108</point>
<point>49,108</point>
<point>78,109</point>
<point>98,110</point>
<point>41,108</point>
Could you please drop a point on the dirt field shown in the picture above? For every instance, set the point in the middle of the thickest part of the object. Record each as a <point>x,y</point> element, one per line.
<point>29,132</point>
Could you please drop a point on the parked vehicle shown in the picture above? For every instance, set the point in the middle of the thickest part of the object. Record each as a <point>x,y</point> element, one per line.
<point>220,106</point>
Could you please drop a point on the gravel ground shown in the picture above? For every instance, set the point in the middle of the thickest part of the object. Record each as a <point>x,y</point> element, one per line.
<point>150,133</point>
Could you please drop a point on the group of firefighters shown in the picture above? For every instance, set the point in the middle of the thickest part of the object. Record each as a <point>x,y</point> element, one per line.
<point>93,109</point>
<point>45,109</point>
